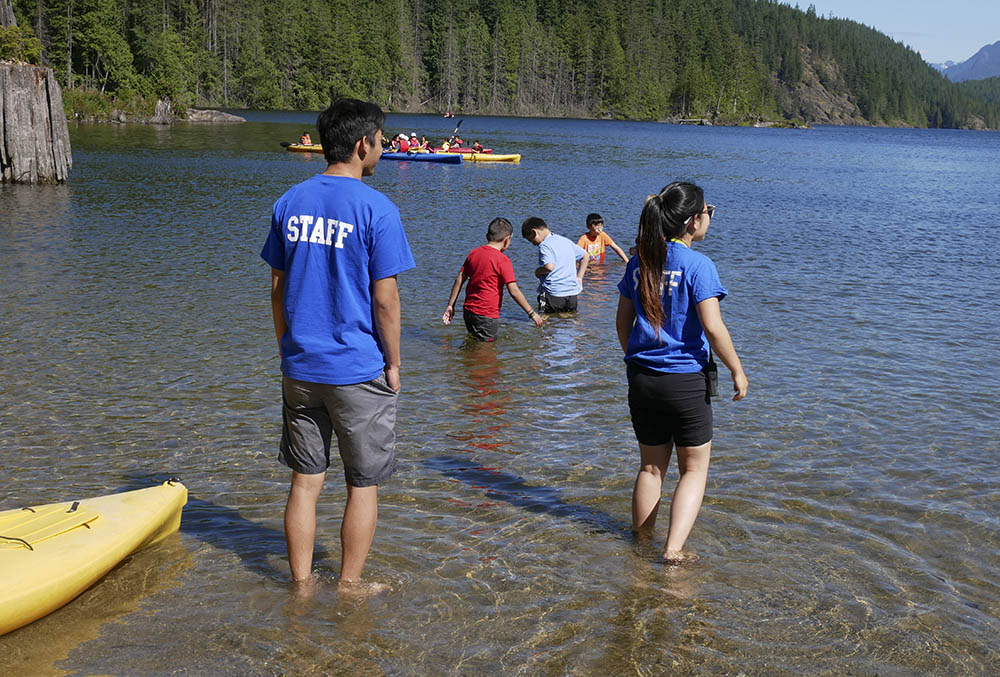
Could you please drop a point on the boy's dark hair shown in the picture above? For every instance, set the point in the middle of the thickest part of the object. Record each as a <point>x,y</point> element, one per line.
<point>531,224</point>
<point>343,123</point>
<point>594,217</point>
<point>499,230</point>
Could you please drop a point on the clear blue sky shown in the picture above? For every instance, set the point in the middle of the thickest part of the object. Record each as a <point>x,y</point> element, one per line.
<point>941,31</point>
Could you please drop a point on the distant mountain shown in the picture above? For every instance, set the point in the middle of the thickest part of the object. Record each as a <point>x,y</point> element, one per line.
<point>941,67</point>
<point>984,64</point>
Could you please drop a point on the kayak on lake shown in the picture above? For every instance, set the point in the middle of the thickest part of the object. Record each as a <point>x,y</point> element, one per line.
<point>447,158</point>
<point>303,148</point>
<point>492,157</point>
<point>461,149</point>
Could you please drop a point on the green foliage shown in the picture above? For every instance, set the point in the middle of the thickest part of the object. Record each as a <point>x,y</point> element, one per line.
<point>987,90</point>
<point>91,104</point>
<point>20,45</point>
<point>724,60</point>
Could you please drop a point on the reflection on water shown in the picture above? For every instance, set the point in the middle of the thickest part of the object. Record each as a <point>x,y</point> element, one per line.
<point>848,526</point>
<point>142,579</point>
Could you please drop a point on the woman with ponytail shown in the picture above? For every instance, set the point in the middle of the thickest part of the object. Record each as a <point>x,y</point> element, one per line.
<point>668,320</point>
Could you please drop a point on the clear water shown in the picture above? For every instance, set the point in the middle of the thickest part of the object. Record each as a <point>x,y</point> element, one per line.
<point>850,524</point>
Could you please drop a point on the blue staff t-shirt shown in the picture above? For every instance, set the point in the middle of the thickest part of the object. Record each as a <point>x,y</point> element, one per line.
<point>334,236</point>
<point>681,347</point>
<point>561,280</point>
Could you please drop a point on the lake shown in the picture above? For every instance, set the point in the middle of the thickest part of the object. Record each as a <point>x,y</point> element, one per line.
<point>850,523</point>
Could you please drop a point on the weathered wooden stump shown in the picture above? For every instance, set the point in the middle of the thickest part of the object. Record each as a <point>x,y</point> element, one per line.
<point>34,136</point>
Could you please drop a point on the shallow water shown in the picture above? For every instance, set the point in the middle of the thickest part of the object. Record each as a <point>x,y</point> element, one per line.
<point>850,522</point>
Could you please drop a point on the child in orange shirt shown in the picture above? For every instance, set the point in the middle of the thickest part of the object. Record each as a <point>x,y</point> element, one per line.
<point>595,240</point>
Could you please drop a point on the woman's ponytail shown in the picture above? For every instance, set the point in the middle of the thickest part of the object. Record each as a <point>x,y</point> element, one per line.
<point>664,217</point>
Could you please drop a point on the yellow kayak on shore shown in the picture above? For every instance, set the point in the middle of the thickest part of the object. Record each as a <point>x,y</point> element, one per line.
<point>49,554</point>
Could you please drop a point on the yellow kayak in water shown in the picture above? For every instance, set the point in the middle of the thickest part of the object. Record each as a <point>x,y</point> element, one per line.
<point>304,147</point>
<point>492,157</point>
<point>49,554</point>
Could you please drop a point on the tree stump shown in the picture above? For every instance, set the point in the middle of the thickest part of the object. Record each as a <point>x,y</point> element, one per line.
<point>34,136</point>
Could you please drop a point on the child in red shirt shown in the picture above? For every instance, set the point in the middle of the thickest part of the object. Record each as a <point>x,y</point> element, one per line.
<point>488,270</point>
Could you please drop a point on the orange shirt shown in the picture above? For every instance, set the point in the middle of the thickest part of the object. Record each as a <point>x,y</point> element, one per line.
<point>594,247</point>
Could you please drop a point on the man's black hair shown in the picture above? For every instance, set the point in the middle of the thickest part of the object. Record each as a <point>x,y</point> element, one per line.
<point>343,123</point>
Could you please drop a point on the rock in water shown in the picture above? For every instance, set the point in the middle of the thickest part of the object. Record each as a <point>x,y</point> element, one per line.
<point>212,116</point>
<point>34,136</point>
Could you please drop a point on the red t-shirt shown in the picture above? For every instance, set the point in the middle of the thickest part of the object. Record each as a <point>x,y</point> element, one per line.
<point>404,146</point>
<point>489,271</point>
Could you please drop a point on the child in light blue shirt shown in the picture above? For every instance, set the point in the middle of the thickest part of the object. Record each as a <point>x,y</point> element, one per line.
<point>561,265</point>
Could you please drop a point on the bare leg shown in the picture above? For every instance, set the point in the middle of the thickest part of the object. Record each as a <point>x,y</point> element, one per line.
<point>357,531</point>
<point>648,486</point>
<point>692,463</point>
<point>300,523</point>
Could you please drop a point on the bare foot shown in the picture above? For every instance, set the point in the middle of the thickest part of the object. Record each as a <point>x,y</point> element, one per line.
<point>678,557</point>
<point>305,588</point>
<point>360,590</point>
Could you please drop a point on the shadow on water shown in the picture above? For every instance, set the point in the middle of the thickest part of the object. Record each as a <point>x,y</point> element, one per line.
<point>514,490</point>
<point>225,528</point>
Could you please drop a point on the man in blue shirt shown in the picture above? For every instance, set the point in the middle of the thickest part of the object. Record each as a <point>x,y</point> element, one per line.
<point>335,248</point>
<point>561,265</point>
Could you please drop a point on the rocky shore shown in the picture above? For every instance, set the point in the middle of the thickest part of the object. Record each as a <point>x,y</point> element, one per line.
<point>163,114</point>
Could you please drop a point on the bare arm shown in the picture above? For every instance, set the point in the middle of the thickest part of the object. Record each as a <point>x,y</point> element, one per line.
<point>581,268</point>
<point>618,250</point>
<point>542,271</point>
<point>624,320</point>
<point>515,293</point>
<point>278,304</point>
<point>386,302</point>
<point>722,343</point>
<point>449,312</point>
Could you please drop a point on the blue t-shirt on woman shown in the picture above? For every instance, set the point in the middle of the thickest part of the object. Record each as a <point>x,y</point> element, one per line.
<point>681,347</point>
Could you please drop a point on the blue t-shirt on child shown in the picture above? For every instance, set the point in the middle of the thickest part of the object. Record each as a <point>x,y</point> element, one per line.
<point>681,347</point>
<point>334,236</point>
<point>561,281</point>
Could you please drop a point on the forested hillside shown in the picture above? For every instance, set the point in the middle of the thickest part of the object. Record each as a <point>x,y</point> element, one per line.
<point>725,60</point>
<point>987,90</point>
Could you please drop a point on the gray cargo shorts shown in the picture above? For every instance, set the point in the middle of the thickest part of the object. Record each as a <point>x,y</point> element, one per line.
<point>364,417</point>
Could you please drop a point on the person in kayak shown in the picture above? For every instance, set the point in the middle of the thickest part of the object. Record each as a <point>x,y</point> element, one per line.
<point>595,240</point>
<point>335,248</point>
<point>477,147</point>
<point>305,139</point>
<point>668,318</point>
<point>488,270</point>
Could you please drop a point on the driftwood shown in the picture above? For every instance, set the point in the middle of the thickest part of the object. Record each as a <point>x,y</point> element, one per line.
<point>34,136</point>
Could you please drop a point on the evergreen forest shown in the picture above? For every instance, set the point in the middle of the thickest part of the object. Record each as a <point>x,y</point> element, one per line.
<point>730,61</point>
